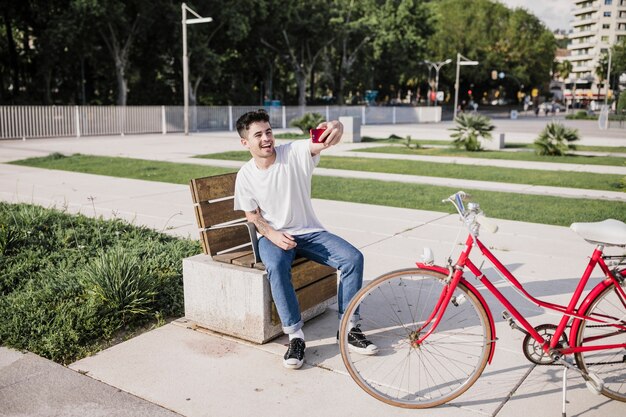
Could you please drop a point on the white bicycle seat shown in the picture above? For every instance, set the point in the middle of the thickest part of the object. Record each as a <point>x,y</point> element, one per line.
<point>609,232</point>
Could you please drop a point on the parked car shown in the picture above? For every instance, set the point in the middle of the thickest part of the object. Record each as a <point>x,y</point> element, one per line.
<point>551,107</point>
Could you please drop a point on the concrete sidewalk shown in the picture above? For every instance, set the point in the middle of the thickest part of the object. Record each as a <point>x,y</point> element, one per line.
<point>197,373</point>
<point>180,369</point>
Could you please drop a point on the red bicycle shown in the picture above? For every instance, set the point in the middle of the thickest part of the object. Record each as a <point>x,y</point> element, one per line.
<point>436,333</point>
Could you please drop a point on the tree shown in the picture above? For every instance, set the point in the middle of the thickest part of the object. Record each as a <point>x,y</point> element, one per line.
<point>564,68</point>
<point>302,35</point>
<point>120,23</point>
<point>353,26</point>
<point>402,28</point>
<point>601,71</point>
<point>511,41</point>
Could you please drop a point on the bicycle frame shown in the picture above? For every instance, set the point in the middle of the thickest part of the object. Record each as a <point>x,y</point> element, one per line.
<point>571,311</point>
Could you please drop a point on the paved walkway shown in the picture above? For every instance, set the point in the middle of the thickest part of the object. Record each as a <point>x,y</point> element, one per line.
<point>176,369</point>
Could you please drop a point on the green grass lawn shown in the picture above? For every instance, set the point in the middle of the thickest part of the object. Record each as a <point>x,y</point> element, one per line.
<point>514,156</point>
<point>140,169</point>
<point>567,179</point>
<point>535,209</point>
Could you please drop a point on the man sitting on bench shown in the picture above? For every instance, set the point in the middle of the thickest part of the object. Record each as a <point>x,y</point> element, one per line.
<point>274,190</point>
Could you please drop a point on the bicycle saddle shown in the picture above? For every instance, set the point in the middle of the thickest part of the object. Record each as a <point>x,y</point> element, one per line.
<point>608,232</point>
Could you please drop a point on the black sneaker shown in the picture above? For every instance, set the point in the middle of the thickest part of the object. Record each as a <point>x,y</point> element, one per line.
<point>357,342</point>
<point>294,357</point>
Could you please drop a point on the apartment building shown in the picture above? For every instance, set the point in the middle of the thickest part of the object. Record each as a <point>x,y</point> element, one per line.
<point>596,26</point>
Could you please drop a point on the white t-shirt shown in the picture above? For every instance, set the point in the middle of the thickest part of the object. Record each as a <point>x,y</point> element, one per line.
<point>283,191</point>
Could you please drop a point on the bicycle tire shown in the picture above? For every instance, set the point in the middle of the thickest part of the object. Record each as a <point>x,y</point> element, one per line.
<point>609,364</point>
<point>448,362</point>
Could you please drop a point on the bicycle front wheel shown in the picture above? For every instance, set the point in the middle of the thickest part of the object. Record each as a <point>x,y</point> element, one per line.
<point>609,364</point>
<point>394,309</point>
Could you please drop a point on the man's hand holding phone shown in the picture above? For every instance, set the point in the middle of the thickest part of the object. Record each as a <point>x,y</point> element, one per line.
<point>326,134</point>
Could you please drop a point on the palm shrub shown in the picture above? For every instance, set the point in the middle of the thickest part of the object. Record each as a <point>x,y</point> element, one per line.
<point>308,121</point>
<point>470,128</point>
<point>556,139</point>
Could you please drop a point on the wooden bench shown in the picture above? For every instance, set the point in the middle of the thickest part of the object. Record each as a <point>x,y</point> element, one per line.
<point>226,288</point>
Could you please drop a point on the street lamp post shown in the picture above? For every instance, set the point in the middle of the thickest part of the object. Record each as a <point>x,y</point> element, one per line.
<point>460,60</point>
<point>437,66</point>
<point>186,22</point>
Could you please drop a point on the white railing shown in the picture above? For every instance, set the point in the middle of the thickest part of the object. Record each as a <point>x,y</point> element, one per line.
<point>22,122</point>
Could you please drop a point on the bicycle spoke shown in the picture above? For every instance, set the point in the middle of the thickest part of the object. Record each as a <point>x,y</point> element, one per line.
<point>394,310</point>
<point>608,364</point>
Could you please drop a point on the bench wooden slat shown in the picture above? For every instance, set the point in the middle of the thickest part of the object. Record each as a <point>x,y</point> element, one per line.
<point>212,188</point>
<point>312,295</point>
<point>230,256</point>
<point>218,212</point>
<point>245,260</point>
<point>223,238</point>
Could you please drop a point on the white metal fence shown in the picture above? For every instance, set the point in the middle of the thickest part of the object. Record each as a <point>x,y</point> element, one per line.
<point>22,122</point>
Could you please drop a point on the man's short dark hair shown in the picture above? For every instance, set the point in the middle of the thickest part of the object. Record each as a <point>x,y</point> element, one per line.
<point>244,122</point>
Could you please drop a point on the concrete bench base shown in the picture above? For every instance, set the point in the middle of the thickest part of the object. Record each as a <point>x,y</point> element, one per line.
<point>237,301</point>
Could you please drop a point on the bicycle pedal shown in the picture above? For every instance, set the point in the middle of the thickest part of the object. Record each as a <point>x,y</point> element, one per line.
<point>507,317</point>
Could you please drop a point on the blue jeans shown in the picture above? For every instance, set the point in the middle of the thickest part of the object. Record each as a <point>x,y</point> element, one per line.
<point>321,247</point>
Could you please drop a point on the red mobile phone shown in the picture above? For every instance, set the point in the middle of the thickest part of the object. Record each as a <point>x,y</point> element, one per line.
<point>315,134</point>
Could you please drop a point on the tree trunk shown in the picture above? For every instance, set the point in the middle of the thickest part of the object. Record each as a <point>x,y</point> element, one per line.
<point>120,56</point>
<point>47,79</point>
<point>301,81</point>
<point>120,75</point>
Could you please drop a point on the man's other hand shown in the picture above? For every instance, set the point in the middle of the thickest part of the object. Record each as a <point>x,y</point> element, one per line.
<point>283,240</point>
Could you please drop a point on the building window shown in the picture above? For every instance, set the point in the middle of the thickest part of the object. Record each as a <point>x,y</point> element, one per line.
<point>604,39</point>
<point>608,2</point>
<point>606,26</point>
<point>607,14</point>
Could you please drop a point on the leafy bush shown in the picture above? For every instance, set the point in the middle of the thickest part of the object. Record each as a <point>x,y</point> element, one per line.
<point>555,139</point>
<point>118,280</point>
<point>581,115</point>
<point>470,128</point>
<point>70,284</point>
<point>307,122</point>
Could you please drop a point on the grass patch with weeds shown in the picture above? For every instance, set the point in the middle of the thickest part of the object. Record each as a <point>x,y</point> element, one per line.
<point>71,285</point>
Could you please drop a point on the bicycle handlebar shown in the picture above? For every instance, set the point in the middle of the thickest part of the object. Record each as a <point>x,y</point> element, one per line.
<point>470,215</point>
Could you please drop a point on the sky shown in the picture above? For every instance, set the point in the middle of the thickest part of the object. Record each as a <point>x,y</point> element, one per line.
<point>554,13</point>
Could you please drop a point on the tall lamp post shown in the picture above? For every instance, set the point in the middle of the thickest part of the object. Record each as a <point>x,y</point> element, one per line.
<point>437,66</point>
<point>186,22</point>
<point>460,60</point>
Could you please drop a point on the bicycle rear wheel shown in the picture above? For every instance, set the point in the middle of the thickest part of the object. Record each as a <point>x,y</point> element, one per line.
<point>393,308</point>
<point>609,364</point>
